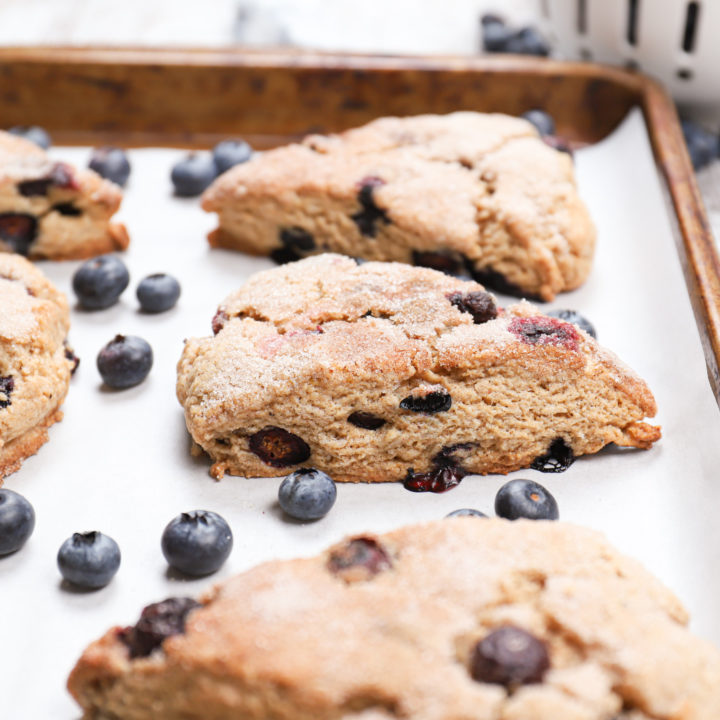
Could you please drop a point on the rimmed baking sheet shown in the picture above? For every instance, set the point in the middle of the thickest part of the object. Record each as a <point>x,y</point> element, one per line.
<point>120,462</point>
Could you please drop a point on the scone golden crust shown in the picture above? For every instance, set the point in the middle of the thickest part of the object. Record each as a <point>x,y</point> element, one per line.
<point>52,210</point>
<point>382,371</point>
<point>35,363</point>
<point>381,627</point>
<point>465,192</point>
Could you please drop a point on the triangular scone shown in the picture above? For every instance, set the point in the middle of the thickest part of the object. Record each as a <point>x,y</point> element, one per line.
<point>464,193</point>
<point>35,362</point>
<point>381,371</point>
<point>462,619</point>
<point>53,210</point>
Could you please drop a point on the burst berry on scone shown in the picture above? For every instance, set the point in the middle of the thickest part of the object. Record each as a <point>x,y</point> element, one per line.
<point>385,372</point>
<point>52,210</point>
<point>466,193</point>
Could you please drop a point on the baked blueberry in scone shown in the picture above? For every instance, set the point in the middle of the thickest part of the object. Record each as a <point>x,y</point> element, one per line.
<point>384,372</point>
<point>463,618</point>
<point>35,361</point>
<point>52,210</point>
<point>467,193</point>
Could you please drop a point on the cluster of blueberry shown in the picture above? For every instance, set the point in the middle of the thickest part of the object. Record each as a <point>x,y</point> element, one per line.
<point>197,543</point>
<point>517,499</point>
<point>108,162</point>
<point>498,37</point>
<point>194,543</point>
<point>126,360</point>
<point>190,176</point>
<point>309,494</point>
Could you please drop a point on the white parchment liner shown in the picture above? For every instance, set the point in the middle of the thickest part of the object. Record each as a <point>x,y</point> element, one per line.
<point>120,461</point>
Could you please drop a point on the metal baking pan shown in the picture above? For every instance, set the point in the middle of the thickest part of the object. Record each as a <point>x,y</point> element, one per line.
<point>120,462</point>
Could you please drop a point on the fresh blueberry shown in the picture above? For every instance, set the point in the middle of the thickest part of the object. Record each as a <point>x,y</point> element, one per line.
<point>89,559</point>
<point>499,37</point>
<point>466,512</point>
<point>33,133</point>
<point>197,542</point>
<point>17,521</point>
<point>525,499</point>
<point>158,293</point>
<point>99,282</point>
<point>543,122</point>
<point>574,317</point>
<point>702,145</point>
<point>495,33</point>
<point>193,174</point>
<point>111,163</point>
<point>491,19</point>
<point>229,153</point>
<point>125,361</point>
<point>307,494</point>
<point>527,41</point>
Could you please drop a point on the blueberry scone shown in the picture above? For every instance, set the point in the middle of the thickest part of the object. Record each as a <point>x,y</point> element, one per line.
<point>463,193</point>
<point>383,371</point>
<point>52,210</point>
<point>35,362</point>
<point>461,619</point>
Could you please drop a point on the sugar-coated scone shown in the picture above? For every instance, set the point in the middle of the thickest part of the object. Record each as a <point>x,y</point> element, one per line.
<point>35,362</point>
<point>382,371</point>
<point>466,192</point>
<point>458,619</point>
<point>53,210</point>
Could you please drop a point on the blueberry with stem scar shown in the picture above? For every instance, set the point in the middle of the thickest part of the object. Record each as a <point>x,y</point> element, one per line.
<point>197,543</point>
<point>98,283</point>
<point>89,560</point>
<point>307,494</point>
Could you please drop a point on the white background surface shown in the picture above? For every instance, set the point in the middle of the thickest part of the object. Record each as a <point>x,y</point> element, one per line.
<point>120,461</point>
<point>450,26</point>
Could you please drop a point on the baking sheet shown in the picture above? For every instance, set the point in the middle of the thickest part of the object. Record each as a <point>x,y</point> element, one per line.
<point>120,462</point>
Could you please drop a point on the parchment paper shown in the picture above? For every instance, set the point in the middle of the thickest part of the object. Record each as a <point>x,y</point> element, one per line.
<point>120,462</point>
